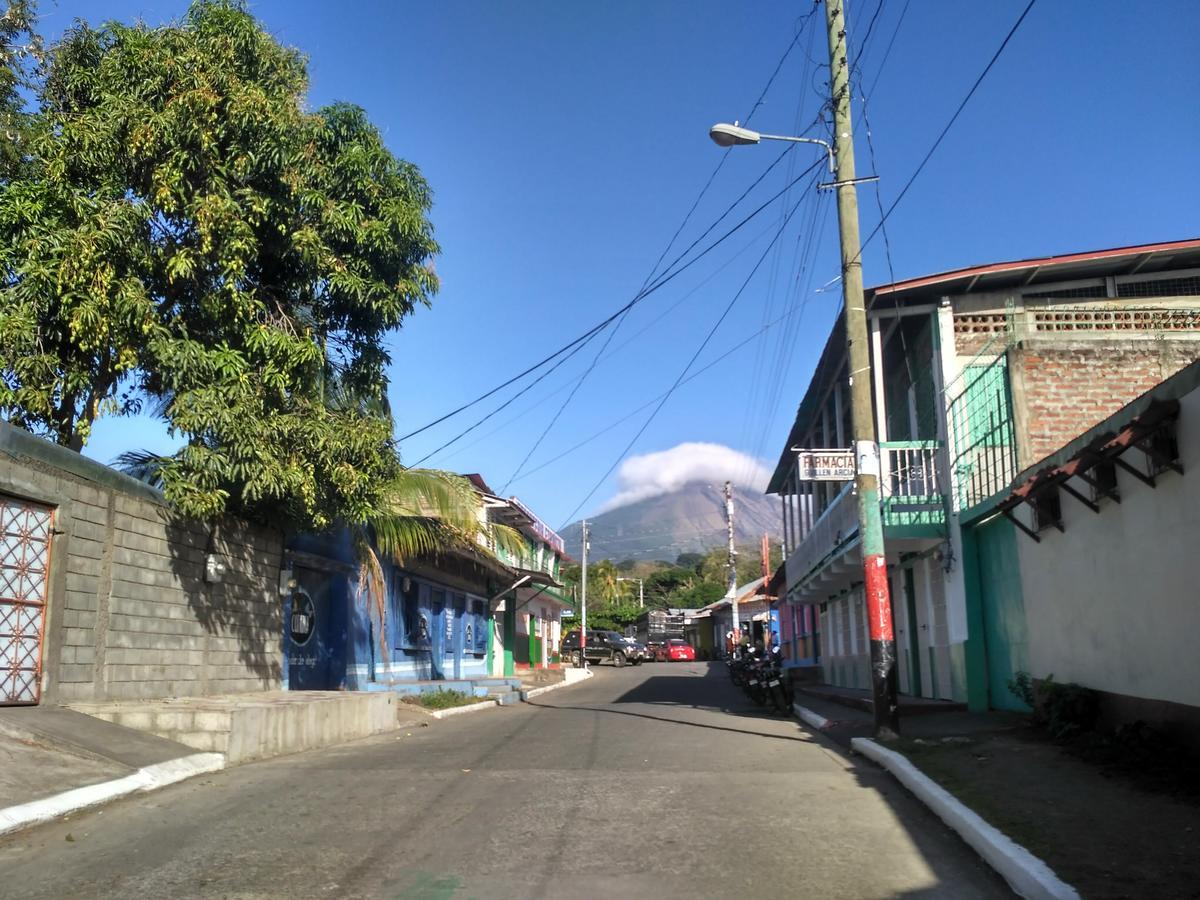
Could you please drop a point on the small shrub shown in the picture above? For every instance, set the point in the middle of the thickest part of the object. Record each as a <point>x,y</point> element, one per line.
<point>1064,710</point>
<point>1021,686</point>
<point>442,699</point>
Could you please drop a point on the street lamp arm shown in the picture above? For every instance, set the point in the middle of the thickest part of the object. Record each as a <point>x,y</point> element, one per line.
<point>803,140</point>
<point>726,135</point>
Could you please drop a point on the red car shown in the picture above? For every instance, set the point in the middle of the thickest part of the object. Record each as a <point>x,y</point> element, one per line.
<point>679,650</point>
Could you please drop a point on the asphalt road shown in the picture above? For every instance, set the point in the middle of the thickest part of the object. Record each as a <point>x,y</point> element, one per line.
<point>658,781</point>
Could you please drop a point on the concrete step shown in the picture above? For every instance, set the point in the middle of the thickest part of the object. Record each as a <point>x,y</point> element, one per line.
<point>256,726</point>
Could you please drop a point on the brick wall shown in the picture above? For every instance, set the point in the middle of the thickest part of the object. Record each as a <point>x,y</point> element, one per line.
<point>1063,388</point>
<point>129,613</point>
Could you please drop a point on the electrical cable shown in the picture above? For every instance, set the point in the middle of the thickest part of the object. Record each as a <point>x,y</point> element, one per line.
<point>646,327</point>
<point>862,46</point>
<point>695,355</point>
<point>954,118</point>
<point>666,250</point>
<point>663,279</point>
<point>888,51</point>
<point>633,412</point>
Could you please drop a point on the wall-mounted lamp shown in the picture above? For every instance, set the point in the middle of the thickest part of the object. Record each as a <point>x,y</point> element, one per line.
<point>287,581</point>
<point>215,568</point>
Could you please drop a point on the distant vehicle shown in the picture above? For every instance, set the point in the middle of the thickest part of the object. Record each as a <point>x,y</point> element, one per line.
<point>656,651</point>
<point>679,650</point>
<point>602,646</point>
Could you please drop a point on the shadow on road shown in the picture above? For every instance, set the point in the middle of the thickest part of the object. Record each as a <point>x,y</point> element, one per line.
<point>625,712</point>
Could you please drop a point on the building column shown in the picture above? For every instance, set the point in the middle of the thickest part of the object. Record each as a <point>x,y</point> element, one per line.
<point>510,634</point>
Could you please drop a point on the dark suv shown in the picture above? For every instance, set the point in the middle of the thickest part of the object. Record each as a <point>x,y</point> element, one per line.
<point>602,646</point>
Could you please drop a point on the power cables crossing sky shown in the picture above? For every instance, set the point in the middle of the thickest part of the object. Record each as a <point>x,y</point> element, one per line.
<point>766,386</point>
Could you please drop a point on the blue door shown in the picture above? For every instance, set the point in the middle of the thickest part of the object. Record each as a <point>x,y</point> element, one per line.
<point>314,632</point>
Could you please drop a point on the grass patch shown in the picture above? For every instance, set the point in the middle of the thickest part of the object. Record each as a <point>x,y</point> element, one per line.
<point>442,699</point>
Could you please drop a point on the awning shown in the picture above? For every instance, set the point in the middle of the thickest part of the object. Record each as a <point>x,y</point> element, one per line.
<point>1142,424</point>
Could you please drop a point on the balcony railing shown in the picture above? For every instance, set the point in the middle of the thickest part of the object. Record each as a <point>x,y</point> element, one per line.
<point>911,488</point>
<point>836,524</point>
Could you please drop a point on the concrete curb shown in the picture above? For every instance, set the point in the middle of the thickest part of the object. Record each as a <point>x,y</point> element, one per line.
<point>460,710</point>
<point>809,717</point>
<point>148,778</point>
<point>1027,875</point>
<point>537,692</point>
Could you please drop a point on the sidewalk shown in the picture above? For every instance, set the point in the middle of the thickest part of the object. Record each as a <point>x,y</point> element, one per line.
<point>54,761</point>
<point>1099,831</point>
<point>45,750</point>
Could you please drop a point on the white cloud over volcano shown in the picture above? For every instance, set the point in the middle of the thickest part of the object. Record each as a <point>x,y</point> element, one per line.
<point>652,474</point>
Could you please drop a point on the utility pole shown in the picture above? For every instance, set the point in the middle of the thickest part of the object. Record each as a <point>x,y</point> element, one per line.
<point>866,444</point>
<point>641,590</point>
<point>583,601</point>
<point>731,592</point>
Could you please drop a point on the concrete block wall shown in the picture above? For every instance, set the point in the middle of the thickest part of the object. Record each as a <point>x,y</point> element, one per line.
<point>129,613</point>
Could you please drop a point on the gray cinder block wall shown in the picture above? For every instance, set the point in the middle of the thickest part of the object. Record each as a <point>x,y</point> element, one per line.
<point>129,613</point>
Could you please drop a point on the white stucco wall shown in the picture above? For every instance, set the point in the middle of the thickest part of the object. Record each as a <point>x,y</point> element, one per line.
<point>1113,602</point>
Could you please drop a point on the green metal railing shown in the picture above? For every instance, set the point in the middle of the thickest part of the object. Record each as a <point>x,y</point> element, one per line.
<point>913,494</point>
<point>981,422</point>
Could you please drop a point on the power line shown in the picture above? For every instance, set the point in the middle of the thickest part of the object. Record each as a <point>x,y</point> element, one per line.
<point>862,45</point>
<point>888,51</point>
<point>629,415</point>
<point>954,118</point>
<point>699,350</point>
<point>646,327</point>
<point>621,312</point>
<point>663,279</point>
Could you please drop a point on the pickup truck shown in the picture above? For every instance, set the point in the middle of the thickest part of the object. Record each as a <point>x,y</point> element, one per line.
<point>602,646</point>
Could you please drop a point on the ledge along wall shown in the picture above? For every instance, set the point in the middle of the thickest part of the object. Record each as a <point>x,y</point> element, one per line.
<point>129,614</point>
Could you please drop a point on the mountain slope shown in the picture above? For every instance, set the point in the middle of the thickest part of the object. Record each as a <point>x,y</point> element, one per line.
<point>690,520</point>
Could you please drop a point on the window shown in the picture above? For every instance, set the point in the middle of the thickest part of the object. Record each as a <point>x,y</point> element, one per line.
<point>407,591</point>
<point>477,642</point>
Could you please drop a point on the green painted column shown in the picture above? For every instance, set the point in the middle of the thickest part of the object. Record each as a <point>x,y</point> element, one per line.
<point>510,634</point>
<point>491,644</point>
<point>976,650</point>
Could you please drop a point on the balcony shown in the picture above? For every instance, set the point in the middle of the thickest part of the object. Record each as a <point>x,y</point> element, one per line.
<point>914,500</point>
<point>913,504</point>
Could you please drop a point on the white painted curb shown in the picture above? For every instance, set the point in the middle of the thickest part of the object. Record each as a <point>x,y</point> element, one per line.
<point>460,710</point>
<point>809,717</point>
<point>537,692</point>
<point>1027,875</point>
<point>148,778</point>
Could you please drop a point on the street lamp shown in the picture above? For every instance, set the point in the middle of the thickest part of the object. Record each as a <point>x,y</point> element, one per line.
<point>866,442</point>
<point>726,135</point>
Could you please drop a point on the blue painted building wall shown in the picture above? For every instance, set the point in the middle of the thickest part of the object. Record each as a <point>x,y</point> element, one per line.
<point>432,631</point>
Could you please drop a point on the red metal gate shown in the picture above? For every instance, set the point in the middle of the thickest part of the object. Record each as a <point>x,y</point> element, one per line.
<point>25,530</point>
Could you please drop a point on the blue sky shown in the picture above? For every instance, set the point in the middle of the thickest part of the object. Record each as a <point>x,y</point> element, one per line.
<point>565,142</point>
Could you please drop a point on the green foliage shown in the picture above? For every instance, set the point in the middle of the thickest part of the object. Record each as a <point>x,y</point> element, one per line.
<point>1064,710</point>
<point>183,232</point>
<point>442,699</point>
<point>20,53</point>
<point>697,580</point>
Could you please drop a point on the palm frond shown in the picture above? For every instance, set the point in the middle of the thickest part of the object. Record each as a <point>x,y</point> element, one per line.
<point>372,586</point>
<point>143,465</point>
